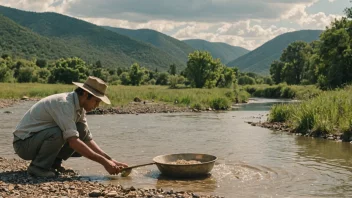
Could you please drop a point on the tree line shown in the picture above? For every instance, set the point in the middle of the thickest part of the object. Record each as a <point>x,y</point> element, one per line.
<point>326,62</point>
<point>202,71</point>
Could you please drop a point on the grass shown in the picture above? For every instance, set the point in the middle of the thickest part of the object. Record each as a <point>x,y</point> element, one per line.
<point>328,113</point>
<point>283,91</point>
<point>217,98</point>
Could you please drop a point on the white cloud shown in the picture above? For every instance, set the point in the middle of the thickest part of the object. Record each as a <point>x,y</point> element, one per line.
<point>59,6</point>
<point>247,24</point>
<point>318,20</point>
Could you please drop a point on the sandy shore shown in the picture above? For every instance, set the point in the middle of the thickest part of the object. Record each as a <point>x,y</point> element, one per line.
<point>15,182</point>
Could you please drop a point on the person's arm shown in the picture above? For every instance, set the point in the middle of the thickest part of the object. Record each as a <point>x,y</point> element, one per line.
<point>80,147</point>
<point>94,146</point>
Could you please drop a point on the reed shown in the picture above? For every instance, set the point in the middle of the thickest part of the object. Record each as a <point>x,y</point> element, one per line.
<point>328,113</point>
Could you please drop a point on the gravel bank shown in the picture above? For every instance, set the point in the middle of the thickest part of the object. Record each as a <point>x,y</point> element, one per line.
<point>15,182</point>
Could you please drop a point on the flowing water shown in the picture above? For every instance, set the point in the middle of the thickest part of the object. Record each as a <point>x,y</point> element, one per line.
<point>252,161</point>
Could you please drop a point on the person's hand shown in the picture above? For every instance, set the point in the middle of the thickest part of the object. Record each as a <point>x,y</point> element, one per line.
<point>111,167</point>
<point>120,165</point>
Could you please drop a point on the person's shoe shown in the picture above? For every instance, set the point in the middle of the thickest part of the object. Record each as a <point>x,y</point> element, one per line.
<point>57,166</point>
<point>39,172</point>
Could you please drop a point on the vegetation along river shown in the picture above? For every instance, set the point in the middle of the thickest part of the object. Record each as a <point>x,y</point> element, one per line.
<point>252,161</point>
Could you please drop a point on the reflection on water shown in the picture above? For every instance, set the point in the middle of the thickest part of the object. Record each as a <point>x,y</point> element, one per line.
<point>252,161</point>
<point>259,104</point>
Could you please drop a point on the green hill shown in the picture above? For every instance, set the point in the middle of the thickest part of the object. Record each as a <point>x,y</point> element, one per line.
<point>260,59</point>
<point>163,42</point>
<point>16,40</point>
<point>89,41</point>
<point>218,50</point>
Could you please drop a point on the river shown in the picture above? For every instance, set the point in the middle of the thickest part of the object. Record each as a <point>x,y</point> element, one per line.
<point>252,161</point>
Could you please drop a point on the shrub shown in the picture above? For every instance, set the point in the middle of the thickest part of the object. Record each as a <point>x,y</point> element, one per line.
<point>220,104</point>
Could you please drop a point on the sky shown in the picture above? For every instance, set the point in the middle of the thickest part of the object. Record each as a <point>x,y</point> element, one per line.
<point>247,24</point>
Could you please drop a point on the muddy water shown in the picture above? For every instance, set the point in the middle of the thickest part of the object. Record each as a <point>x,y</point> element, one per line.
<point>252,161</point>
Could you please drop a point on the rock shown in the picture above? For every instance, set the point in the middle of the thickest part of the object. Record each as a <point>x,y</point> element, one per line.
<point>11,187</point>
<point>8,112</point>
<point>95,193</point>
<point>111,194</point>
<point>136,99</point>
<point>25,98</point>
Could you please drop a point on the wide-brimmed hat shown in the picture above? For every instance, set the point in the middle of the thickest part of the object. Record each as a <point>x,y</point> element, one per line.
<point>96,87</point>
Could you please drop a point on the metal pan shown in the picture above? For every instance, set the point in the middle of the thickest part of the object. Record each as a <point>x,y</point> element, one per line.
<point>165,166</point>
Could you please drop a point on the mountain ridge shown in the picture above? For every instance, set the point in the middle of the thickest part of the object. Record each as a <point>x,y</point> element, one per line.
<point>260,59</point>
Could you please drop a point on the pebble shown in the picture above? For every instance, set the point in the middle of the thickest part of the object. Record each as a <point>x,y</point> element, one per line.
<point>15,182</point>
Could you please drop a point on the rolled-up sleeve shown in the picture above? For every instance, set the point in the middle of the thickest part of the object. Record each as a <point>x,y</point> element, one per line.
<point>64,116</point>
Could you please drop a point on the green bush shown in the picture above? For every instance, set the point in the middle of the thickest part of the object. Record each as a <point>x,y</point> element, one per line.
<point>220,104</point>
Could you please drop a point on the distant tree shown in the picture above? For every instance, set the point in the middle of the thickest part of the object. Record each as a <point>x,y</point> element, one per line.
<point>112,71</point>
<point>101,73</point>
<point>69,70</point>
<point>125,78</point>
<point>41,63</point>
<point>268,80</point>
<point>246,80</point>
<point>25,74</point>
<point>294,57</point>
<point>43,75</point>
<point>5,72</point>
<point>5,56</point>
<point>98,64</point>
<point>276,71</point>
<point>173,81</point>
<point>172,69</point>
<point>136,74</point>
<point>162,79</point>
<point>226,78</point>
<point>202,70</point>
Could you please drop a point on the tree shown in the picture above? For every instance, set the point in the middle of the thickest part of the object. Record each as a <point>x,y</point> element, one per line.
<point>246,80</point>
<point>202,70</point>
<point>294,58</point>
<point>162,79</point>
<point>136,74</point>
<point>5,72</point>
<point>336,54</point>
<point>172,69</point>
<point>125,78</point>
<point>69,70</point>
<point>227,77</point>
<point>25,74</point>
<point>276,68</point>
<point>41,63</point>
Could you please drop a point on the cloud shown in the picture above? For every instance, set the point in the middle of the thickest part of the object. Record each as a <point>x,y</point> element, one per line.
<point>248,24</point>
<point>318,20</point>
<point>182,10</point>
<point>59,6</point>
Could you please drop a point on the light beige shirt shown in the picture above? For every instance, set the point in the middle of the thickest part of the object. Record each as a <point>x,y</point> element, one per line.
<point>61,110</point>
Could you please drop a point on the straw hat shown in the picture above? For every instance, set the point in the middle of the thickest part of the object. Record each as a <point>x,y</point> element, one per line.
<point>96,87</point>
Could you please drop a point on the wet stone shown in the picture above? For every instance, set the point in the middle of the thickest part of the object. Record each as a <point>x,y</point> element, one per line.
<point>95,193</point>
<point>17,183</point>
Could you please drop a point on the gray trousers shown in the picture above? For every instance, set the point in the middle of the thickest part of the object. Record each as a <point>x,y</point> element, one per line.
<point>45,146</point>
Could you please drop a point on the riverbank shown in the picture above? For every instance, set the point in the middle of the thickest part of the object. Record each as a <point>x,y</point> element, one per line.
<point>119,95</point>
<point>283,127</point>
<point>15,182</point>
<point>130,108</point>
